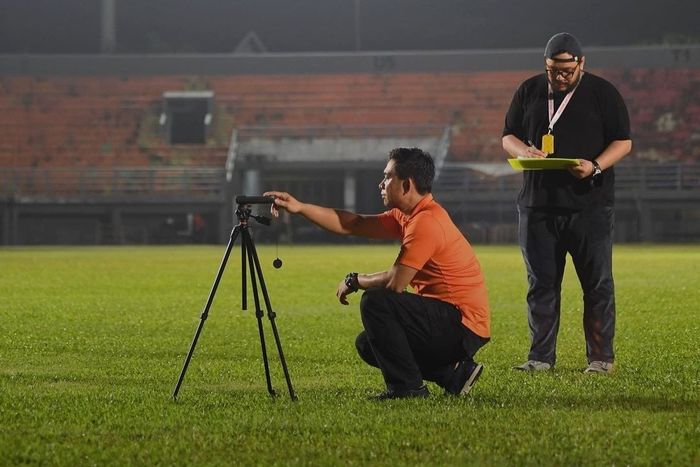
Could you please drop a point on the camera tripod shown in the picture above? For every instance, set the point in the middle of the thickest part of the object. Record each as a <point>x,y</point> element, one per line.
<point>248,252</point>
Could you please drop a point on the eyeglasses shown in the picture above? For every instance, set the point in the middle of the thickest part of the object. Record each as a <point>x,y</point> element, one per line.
<point>553,73</point>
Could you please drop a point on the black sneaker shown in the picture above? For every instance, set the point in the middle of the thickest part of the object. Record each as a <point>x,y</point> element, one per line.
<point>402,394</point>
<point>464,377</point>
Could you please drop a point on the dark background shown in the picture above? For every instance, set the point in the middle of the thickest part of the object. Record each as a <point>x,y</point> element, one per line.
<point>217,26</point>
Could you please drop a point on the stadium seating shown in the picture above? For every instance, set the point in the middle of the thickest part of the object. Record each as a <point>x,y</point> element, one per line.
<point>113,121</point>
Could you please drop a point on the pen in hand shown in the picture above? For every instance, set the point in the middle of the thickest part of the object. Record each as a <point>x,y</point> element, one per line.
<point>532,151</point>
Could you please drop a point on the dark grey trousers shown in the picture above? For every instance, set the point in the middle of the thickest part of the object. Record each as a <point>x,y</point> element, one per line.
<point>545,239</point>
<point>411,338</point>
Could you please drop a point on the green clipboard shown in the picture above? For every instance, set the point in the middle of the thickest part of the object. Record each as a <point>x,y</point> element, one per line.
<point>549,163</point>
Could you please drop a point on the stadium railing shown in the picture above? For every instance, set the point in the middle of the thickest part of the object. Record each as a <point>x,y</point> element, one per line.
<point>463,177</point>
<point>209,183</point>
<point>117,183</point>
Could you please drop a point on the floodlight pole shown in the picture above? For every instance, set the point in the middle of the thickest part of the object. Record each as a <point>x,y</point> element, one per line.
<point>247,252</point>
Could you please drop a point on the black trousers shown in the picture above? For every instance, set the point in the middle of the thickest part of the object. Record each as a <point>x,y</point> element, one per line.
<point>411,338</point>
<point>545,239</point>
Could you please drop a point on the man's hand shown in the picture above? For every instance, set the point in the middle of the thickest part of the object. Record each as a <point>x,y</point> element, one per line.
<point>343,292</point>
<point>283,200</point>
<point>517,148</point>
<point>582,170</point>
<point>531,152</point>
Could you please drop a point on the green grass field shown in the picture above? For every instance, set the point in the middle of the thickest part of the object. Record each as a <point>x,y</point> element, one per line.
<point>92,341</point>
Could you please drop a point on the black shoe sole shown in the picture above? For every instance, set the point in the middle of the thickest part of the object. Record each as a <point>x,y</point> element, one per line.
<point>471,381</point>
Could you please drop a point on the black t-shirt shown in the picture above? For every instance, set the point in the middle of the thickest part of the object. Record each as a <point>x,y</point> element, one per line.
<point>595,116</point>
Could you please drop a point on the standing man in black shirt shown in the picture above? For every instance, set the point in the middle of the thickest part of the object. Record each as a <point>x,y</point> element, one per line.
<point>573,114</point>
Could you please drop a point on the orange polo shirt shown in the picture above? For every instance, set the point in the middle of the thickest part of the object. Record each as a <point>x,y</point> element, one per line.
<point>447,266</point>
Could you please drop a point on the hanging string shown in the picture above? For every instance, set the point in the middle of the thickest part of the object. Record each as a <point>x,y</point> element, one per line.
<point>277,263</point>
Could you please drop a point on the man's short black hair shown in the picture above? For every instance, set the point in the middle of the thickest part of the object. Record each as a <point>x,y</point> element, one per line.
<point>416,164</point>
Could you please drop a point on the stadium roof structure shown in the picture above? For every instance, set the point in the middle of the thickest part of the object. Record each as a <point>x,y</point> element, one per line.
<point>216,26</point>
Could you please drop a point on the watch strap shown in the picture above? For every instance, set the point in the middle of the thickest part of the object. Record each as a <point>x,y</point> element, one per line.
<point>351,281</point>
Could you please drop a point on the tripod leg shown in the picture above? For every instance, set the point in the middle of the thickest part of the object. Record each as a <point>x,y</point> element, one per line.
<point>244,286</point>
<point>258,311</point>
<point>205,313</point>
<point>271,315</point>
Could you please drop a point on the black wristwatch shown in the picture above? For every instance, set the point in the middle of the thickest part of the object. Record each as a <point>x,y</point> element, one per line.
<point>596,169</point>
<point>351,282</point>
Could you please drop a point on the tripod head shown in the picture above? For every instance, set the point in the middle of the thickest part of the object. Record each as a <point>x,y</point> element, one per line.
<point>243,199</point>
<point>243,212</point>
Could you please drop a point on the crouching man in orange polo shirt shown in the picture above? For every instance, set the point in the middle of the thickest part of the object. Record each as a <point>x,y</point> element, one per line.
<point>432,334</point>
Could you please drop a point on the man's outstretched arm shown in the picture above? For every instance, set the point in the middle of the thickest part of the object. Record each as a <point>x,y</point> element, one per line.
<point>334,220</point>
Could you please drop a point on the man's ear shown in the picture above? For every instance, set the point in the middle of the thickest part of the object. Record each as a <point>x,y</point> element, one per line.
<point>406,185</point>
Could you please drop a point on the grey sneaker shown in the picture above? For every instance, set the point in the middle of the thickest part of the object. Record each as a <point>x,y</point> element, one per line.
<point>599,367</point>
<point>533,365</point>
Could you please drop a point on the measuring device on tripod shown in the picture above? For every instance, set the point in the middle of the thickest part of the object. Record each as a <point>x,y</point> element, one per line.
<point>249,255</point>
